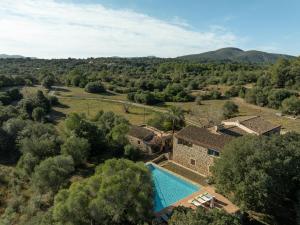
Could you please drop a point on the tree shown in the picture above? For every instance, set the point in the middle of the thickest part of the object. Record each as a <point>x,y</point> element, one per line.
<point>120,192</point>
<point>36,142</point>
<point>11,129</point>
<point>131,152</point>
<point>263,81</point>
<point>126,107</point>
<point>77,148</point>
<point>117,138</point>
<point>47,82</point>
<point>200,216</point>
<point>53,100</point>
<point>77,125</point>
<point>260,173</point>
<point>280,73</point>
<point>94,87</point>
<point>276,97</point>
<point>41,101</point>
<point>176,115</point>
<point>14,94</point>
<point>230,109</point>
<point>198,100</point>
<point>38,114</point>
<point>52,173</point>
<point>291,106</point>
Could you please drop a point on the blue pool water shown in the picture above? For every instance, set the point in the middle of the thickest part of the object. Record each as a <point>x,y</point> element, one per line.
<point>169,188</point>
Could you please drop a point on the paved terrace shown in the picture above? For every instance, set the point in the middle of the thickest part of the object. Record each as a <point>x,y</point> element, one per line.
<point>220,201</point>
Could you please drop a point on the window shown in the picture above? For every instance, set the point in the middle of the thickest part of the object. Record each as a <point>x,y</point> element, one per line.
<point>213,152</point>
<point>193,162</point>
<point>184,142</point>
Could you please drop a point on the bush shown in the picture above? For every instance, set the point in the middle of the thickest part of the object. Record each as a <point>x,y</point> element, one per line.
<point>131,152</point>
<point>198,100</point>
<point>4,98</point>
<point>211,95</point>
<point>276,97</point>
<point>77,148</point>
<point>291,106</point>
<point>230,109</point>
<point>47,82</point>
<point>14,94</point>
<point>182,215</point>
<point>94,87</point>
<point>38,114</point>
<point>52,173</point>
<point>234,91</point>
<point>53,100</point>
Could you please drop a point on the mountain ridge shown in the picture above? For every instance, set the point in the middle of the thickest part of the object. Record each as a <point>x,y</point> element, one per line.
<point>236,55</point>
<point>5,56</point>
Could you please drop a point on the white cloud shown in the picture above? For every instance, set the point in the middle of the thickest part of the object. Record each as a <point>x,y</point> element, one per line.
<point>51,29</point>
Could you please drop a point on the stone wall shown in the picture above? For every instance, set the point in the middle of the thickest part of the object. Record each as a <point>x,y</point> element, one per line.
<point>182,154</point>
<point>140,144</point>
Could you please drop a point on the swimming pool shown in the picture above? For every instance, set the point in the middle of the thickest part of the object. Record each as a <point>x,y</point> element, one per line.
<point>169,188</point>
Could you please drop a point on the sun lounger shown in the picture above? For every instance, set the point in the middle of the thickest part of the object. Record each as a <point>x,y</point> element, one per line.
<point>199,199</point>
<point>194,202</point>
<point>207,197</point>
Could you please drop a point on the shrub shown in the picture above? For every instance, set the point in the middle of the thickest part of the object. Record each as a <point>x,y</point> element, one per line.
<point>77,148</point>
<point>230,109</point>
<point>291,106</point>
<point>53,100</point>
<point>94,87</point>
<point>131,152</point>
<point>38,114</point>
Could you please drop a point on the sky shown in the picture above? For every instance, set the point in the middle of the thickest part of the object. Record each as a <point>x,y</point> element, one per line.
<point>130,28</point>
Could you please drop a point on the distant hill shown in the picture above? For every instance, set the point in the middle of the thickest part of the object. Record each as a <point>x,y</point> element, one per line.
<point>4,56</point>
<point>236,55</point>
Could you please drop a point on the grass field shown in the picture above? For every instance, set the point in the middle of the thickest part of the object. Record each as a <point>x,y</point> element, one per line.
<point>90,107</point>
<point>213,110</point>
<point>77,100</point>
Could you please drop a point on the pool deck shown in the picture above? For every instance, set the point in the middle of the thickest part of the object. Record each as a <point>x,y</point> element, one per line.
<point>220,201</point>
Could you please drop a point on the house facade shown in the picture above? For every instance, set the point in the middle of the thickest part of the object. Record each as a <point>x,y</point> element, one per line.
<point>196,148</point>
<point>148,139</point>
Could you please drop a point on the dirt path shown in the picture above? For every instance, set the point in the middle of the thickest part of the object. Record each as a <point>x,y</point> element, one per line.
<point>101,98</point>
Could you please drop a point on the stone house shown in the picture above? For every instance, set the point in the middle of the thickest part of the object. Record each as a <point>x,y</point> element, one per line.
<point>148,139</point>
<point>239,126</point>
<point>196,148</point>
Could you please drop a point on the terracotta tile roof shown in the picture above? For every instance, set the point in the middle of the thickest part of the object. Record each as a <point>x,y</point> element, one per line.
<point>240,118</point>
<point>204,137</point>
<point>254,123</point>
<point>140,132</point>
<point>233,131</point>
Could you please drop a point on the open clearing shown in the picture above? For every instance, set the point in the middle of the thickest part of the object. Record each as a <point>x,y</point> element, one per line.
<point>213,109</point>
<point>77,100</point>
